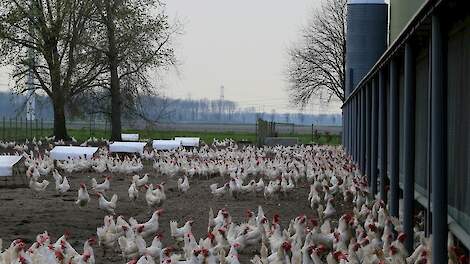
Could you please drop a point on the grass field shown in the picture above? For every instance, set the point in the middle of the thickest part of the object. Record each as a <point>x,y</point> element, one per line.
<point>85,133</point>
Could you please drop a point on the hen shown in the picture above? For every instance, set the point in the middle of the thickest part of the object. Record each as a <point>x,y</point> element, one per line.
<point>83,196</point>
<point>183,184</point>
<point>102,187</point>
<point>218,192</point>
<point>151,226</point>
<point>106,205</point>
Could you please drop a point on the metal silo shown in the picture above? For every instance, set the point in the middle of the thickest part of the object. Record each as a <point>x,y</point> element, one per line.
<point>366,38</point>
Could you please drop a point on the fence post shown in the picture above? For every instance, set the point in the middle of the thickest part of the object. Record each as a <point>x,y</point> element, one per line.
<point>25,129</point>
<point>94,125</point>
<point>89,125</point>
<point>9,130</point>
<point>312,133</point>
<point>16,128</point>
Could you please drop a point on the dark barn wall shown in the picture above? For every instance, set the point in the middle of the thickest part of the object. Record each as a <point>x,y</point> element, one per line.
<point>421,119</point>
<point>458,122</point>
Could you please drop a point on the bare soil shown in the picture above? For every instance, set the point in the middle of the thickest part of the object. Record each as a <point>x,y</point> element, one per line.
<point>24,216</point>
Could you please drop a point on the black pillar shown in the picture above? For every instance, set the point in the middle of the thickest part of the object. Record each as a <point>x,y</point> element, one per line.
<point>359,129</point>
<point>438,144</point>
<point>354,128</point>
<point>358,123</point>
<point>394,134</point>
<point>351,128</point>
<point>409,146</point>
<point>363,129</point>
<point>343,136</point>
<point>368,130</point>
<point>374,136</point>
<point>382,134</point>
<point>347,127</point>
<point>351,120</point>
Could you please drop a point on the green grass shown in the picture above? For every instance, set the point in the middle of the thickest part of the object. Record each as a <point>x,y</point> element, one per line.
<point>84,133</point>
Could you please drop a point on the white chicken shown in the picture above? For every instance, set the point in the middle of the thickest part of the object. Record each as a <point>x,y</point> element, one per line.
<point>133,192</point>
<point>234,187</point>
<point>183,184</point>
<point>102,187</point>
<point>61,183</point>
<point>155,197</point>
<point>150,227</point>
<point>140,182</point>
<point>38,186</point>
<point>83,196</point>
<point>329,211</point>
<point>218,192</point>
<point>154,250</point>
<point>108,206</point>
<point>128,245</point>
<point>179,232</point>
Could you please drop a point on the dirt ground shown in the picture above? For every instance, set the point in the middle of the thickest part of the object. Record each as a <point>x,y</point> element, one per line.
<point>24,216</point>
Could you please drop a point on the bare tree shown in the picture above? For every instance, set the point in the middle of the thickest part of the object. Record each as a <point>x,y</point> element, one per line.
<point>43,40</point>
<point>317,62</point>
<point>134,38</point>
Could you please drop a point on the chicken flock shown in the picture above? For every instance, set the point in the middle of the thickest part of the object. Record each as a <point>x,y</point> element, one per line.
<point>345,224</point>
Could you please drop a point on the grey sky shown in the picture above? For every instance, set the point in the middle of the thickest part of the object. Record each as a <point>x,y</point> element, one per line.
<point>240,44</point>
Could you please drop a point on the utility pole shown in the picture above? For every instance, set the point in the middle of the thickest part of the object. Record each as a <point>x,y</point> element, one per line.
<point>221,102</point>
<point>31,103</point>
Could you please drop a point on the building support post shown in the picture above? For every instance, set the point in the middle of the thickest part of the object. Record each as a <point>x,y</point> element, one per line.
<point>354,141</point>
<point>409,147</point>
<point>359,130</point>
<point>394,134</point>
<point>368,133</point>
<point>347,128</point>
<point>382,134</point>
<point>374,136</point>
<point>344,126</point>
<point>363,130</point>
<point>358,122</point>
<point>351,118</point>
<point>438,143</point>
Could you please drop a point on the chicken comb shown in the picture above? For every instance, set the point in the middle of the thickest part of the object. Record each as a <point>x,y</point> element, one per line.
<point>401,237</point>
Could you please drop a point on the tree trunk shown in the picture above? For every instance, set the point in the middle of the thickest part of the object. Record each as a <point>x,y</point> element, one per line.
<point>115,87</point>
<point>115,103</point>
<point>60,130</point>
<point>58,98</point>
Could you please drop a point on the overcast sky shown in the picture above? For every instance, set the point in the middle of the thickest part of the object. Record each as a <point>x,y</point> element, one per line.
<point>240,44</point>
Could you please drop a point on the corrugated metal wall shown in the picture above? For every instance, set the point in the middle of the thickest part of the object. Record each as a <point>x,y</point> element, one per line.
<point>421,120</point>
<point>458,120</point>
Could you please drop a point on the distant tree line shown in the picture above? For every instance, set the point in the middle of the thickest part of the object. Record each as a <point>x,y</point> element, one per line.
<point>157,109</point>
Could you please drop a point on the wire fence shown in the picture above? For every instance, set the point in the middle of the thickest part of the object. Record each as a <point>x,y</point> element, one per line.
<point>20,128</point>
